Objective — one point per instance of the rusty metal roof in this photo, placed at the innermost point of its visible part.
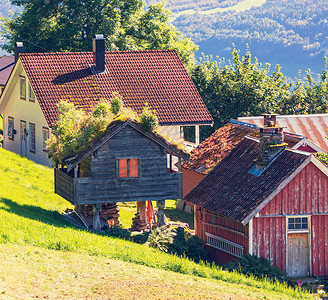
(314, 127)
(231, 191)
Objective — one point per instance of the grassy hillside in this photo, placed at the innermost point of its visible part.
(30, 215)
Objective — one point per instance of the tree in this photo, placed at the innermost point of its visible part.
(70, 25)
(240, 88)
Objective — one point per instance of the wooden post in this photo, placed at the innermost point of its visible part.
(180, 179)
(170, 163)
(197, 139)
(160, 213)
(76, 171)
(96, 217)
(141, 208)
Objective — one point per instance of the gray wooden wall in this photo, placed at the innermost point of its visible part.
(154, 183)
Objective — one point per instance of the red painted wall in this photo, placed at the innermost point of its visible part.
(307, 149)
(190, 180)
(306, 194)
(226, 228)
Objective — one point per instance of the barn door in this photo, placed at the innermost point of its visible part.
(298, 254)
(23, 136)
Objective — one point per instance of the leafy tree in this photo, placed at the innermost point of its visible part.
(239, 88)
(70, 25)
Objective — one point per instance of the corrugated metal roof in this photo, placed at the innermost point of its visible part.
(231, 191)
(314, 127)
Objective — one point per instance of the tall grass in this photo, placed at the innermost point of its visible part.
(30, 213)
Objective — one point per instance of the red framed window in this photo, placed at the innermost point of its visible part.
(32, 137)
(128, 168)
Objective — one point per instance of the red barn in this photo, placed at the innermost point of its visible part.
(211, 151)
(268, 200)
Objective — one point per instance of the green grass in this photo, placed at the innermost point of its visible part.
(30, 214)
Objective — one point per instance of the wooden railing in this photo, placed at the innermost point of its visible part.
(224, 245)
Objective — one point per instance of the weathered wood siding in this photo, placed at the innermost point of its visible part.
(226, 228)
(306, 195)
(154, 183)
(64, 186)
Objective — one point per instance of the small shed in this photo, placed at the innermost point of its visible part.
(127, 164)
(267, 200)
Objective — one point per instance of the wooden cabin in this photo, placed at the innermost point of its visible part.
(127, 164)
(268, 200)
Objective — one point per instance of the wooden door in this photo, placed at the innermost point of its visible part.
(298, 255)
(23, 138)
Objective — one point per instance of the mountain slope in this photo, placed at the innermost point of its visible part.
(292, 33)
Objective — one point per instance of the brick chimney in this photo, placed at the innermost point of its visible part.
(18, 49)
(271, 141)
(99, 53)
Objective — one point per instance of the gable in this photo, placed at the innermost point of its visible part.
(304, 194)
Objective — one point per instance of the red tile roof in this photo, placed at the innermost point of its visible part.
(314, 127)
(231, 191)
(211, 151)
(6, 65)
(157, 77)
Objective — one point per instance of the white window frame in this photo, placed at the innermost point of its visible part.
(224, 245)
(32, 138)
(298, 229)
(22, 87)
(31, 94)
(11, 129)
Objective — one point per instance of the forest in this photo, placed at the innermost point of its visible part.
(280, 31)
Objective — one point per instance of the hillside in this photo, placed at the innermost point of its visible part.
(292, 33)
(30, 218)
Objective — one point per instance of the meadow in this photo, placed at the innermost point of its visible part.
(31, 219)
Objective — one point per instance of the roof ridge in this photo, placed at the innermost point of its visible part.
(106, 52)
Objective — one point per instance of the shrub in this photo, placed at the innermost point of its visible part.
(161, 238)
(179, 241)
(117, 104)
(149, 121)
(259, 267)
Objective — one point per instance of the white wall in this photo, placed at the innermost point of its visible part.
(30, 112)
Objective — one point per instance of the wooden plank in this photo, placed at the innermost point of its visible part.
(298, 264)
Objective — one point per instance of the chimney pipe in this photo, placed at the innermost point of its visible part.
(99, 52)
(271, 141)
(18, 49)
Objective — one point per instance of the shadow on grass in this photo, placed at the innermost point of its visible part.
(34, 213)
(178, 216)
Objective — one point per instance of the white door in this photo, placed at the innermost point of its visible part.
(23, 136)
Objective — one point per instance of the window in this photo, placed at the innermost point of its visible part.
(128, 168)
(32, 137)
(45, 137)
(23, 88)
(11, 130)
(31, 94)
(299, 223)
(189, 133)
